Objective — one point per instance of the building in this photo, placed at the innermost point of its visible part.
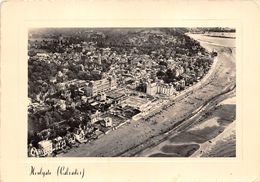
(101, 97)
(42, 55)
(151, 88)
(106, 122)
(61, 104)
(94, 117)
(179, 70)
(160, 88)
(53, 80)
(93, 88)
(76, 82)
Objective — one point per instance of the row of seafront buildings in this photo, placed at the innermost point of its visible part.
(94, 88)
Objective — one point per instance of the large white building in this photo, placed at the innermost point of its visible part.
(160, 88)
(94, 88)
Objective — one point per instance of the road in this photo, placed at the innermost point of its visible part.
(133, 138)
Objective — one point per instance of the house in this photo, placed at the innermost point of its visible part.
(94, 117)
(106, 122)
(53, 80)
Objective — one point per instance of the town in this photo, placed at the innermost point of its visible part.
(85, 83)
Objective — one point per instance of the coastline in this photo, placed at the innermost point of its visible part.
(155, 145)
(159, 145)
(135, 137)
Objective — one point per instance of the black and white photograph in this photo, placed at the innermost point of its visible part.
(129, 91)
(132, 92)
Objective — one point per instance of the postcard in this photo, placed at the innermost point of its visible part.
(129, 91)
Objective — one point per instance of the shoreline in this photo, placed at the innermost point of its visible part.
(200, 83)
(196, 120)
